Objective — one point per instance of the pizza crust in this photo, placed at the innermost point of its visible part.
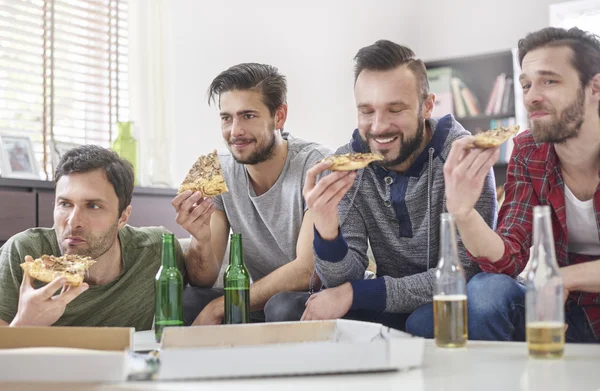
(205, 176)
(351, 161)
(47, 268)
(493, 138)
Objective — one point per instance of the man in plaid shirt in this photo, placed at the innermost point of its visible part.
(555, 163)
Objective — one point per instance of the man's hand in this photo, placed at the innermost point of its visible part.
(331, 303)
(39, 307)
(212, 314)
(324, 197)
(193, 214)
(464, 175)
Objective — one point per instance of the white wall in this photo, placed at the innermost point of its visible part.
(313, 44)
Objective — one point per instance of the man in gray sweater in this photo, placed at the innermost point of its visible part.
(394, 205)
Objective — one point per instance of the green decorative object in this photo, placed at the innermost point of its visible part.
(126, 146)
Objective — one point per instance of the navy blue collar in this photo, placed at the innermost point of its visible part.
(438, 139)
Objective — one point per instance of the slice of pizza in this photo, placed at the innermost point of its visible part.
(351, 161)
(493, 138)
(205, 176)
(48, 267)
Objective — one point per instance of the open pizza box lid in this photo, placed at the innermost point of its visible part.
(288, 348)
(64, 354)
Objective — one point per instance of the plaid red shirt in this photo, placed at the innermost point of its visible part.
(534, 178)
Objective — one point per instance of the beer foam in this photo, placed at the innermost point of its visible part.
(546, 324)
(450, 297)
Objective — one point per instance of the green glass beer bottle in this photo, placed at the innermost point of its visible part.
(169, 290)
(237, 285)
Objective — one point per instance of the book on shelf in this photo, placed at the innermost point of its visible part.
(452, 95)
(439, 83)
(501, 100)
(465, 102)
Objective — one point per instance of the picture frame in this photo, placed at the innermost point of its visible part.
(58, 149)
(17, 157)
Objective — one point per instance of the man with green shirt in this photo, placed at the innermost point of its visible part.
(94, 188)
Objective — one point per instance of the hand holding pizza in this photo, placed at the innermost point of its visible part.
(464, 175)
(193, 214)
(41, 307)
(324, 197)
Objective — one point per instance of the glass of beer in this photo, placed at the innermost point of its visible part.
(450, 293)
(544, 300)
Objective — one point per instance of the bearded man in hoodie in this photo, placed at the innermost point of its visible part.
(394, 204)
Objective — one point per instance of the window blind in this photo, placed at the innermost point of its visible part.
(63, 72)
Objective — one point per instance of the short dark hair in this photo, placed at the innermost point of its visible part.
(85, 158)
(252, 76)
(585, 47)
(386, 55)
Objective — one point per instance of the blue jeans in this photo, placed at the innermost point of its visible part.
(496, 312)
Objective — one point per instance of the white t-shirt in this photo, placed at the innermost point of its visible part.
(581, 225)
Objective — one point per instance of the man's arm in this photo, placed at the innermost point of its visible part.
(293, 276)
(582, 277)
(340, 235)
(3, 323)
(505, 250)
(11, 275)
(203, 260)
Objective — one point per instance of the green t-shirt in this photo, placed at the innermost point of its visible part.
(128, 301)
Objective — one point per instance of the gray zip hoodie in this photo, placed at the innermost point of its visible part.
(400, 216)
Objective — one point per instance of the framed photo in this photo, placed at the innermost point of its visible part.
(18, 159)
(58, 149)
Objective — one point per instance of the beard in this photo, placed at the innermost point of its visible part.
(96, 245)
(562, 128)
(263, 151)
(407, 147)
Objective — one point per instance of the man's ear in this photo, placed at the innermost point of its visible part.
(281, 116)
(595, 84)
(124, 217)
(428, 105)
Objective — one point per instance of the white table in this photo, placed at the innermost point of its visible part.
(480, 366)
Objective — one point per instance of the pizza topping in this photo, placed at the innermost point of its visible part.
(351, 161)
(493, 138)
(205, 176)
(68, 263)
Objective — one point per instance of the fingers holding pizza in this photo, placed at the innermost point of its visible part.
(193, 203)
(193, 213)
(43, 307)
(469, 162)
(323, 197)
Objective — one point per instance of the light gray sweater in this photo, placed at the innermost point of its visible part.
(400, 216)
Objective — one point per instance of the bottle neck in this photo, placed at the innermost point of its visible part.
(168, 251)
(448, 243)
(124, 130)
(543, 239)
(236, 257)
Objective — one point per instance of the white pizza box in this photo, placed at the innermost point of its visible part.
(64, 354)
(287, 348)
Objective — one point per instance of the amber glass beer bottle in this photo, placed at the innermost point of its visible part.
(544, 300)
(168, 290)
(450, 292)
(236, 282)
